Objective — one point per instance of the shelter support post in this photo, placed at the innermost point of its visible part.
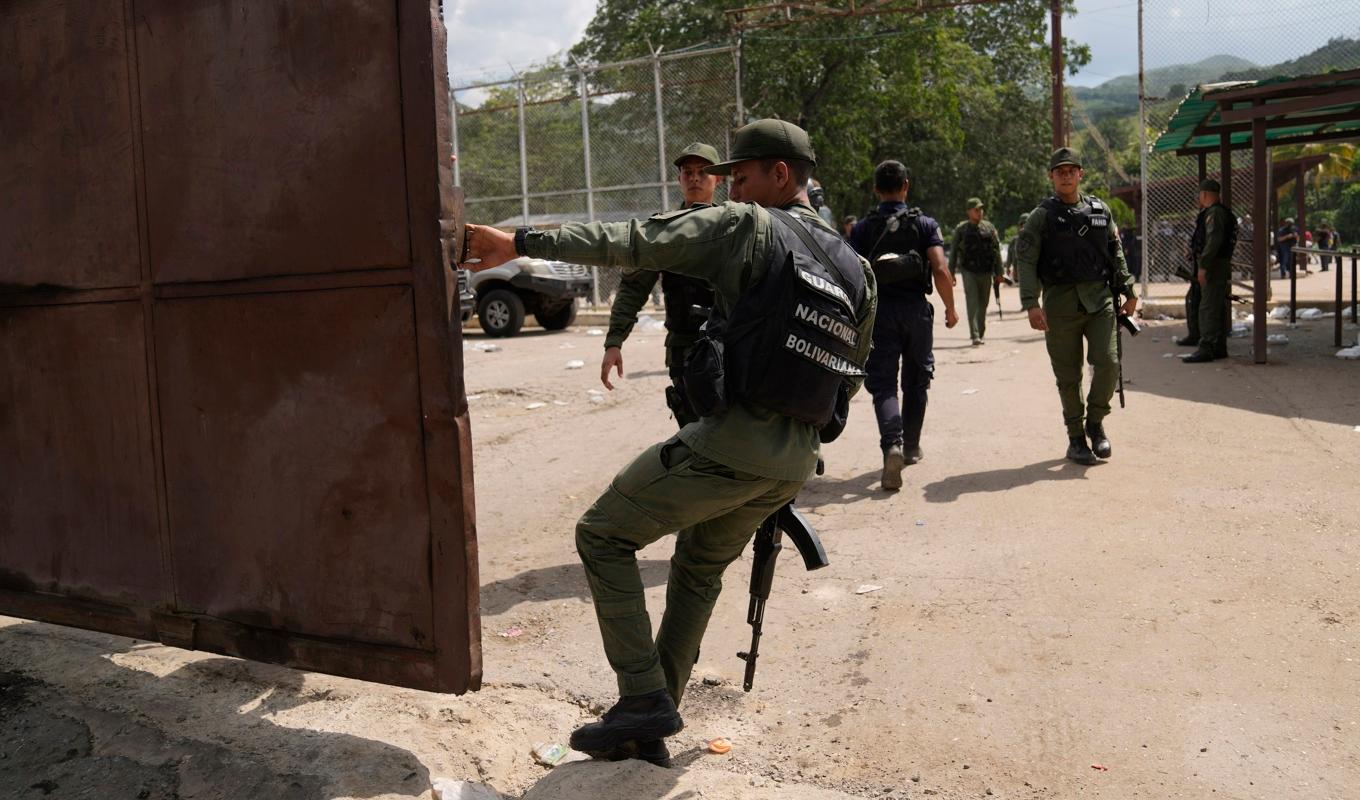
(1203, 167)
(1225, 167)
(1340, 286)
(1260, 240)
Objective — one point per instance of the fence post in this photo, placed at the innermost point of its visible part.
(457, 172)
(1142, 163)
(590, 177)
(661, 134)
(523, 157)
(736, 56)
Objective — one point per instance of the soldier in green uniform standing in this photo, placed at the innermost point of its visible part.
(681, 293)
(1212, 245)
(795, 309)
(1010, 249)
(976, 252)
(1069, 253)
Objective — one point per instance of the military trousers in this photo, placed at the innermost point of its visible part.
(715, 510)
(904, 336)
(1067, 333)
(1213, 316)
(1193, 297)
(977, 293)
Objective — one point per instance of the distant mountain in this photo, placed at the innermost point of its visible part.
(1160, 80)
(1339, 53)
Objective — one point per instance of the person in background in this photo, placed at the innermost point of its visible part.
(1286, 239)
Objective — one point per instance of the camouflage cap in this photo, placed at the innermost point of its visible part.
(1210, 185)
(767, 138)
(1064, 155)
(974, 202)
(707, 152)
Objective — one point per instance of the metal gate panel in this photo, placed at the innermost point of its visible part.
(65, 127)
(273, 138)
(232, 414)
(292, 453)
(80, 515)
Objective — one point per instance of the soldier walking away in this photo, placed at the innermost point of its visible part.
(1212, 245)
(1069, 253)
(794, 311)
(976, 253)
(1328, 239)
(687, 300)
(1286, 239)
(905, 250)
(1010, 249)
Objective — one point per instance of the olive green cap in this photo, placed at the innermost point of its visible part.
(1024, 218)
(1064, 155)
(767, 138)
(707, 152)
(974, 202)
(1210, 185)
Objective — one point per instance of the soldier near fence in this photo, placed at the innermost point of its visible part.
(975, 256)
(1069, 255)
(687, 299)
(793, 309)
(1212, 245)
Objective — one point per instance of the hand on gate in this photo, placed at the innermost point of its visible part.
(613, 359)
(1037, 319)
(951, 317)
(490, 246)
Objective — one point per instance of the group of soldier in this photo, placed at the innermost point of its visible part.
(774, 321)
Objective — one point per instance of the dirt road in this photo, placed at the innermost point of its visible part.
(1178, 622)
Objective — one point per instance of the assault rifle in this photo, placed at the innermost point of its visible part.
(768, 543)
(1122, 323)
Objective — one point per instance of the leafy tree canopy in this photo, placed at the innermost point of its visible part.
(960, 96)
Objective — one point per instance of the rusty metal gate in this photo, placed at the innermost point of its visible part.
(231, 400)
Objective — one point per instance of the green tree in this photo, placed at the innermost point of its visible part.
(1348, 214)
(960, 96)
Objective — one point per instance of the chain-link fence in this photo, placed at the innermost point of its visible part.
(590, 142)
(1184, 48)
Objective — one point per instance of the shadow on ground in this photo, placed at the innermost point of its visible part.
(560, 582)
(1000, 480)
(1302, 379)
(206, 733)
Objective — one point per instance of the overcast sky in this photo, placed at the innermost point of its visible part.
(487, 37)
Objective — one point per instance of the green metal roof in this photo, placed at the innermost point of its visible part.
(1200, 109)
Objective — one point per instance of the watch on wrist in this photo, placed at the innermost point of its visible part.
(520, 233)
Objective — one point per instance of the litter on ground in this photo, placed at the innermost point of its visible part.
(865, 588)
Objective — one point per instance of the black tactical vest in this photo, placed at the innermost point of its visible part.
(1229, 239)
(681, 294)
(792, 339)
(897, 233)
(1075, 247)
(976, 249)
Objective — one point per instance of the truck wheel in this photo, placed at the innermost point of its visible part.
(500, 312)
(557, 318)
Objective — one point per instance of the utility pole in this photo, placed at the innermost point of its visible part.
(1056, 68)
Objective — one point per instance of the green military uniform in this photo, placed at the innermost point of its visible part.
(1214, 259)
(975, 256)
(719, 477)
(1075, 311)
(1010, 248)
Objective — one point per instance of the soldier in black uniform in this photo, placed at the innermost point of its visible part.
(905, 251)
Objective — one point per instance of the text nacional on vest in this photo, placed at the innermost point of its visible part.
(829, 323)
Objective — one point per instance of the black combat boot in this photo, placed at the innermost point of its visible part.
(653, 751)
(1100, 443)
(642, 717)
(914, 455)
(893, 462)
(1186, 341)
(1078, 451)
(1198, 357)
